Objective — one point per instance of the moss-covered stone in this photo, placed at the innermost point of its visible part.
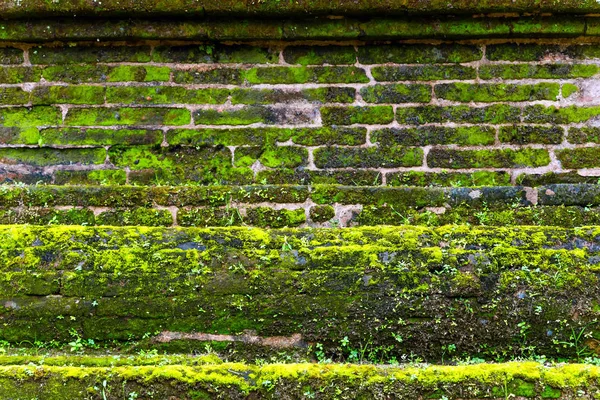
(313, 95)
(584, 135)
(215, 54)
(10, 55)
(353, 177)
(422, 73)
(559, 115)
(486, 93)
(98, 136)
(68, 95)
(418, 54)
(288, 75)
(397, 93)
(537, 71)
(522, 134)
(276, 115)
(357, 115)
(103, 73)
(368, 157)
(268, 217)
(30, 117)
(446, 158)
(20, 74)
(454, 179)
(316, 55)
(494, 114)
(586, 157)
(88, 54)
(227, 76)
(164, 95)
(537, 52)
(139, 216)
(321, 213)
(428, 135)
(13, 96)
(127, 116)
(95, 177)
(47, 156)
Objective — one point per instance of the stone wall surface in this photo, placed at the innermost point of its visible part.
(384, 182)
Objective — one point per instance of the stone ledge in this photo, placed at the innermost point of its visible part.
(320, 381)
(277, 8)
(300, 29)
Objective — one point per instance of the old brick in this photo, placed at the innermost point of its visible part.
(587, 157)
(422, 73)
(465, 92)
(495, 114)
(369, 157)
(46, 156)
(418, 54)
(99, 137)
(397, 93)
(228, 76)
(209, 54)
(165, 95)
(522, 134)
(88, 54)
(493, 158)
(254, 114)
(127, 116)
(427, 135)
(287, 75)
(316, 55)
(68, 95)
(357, 115)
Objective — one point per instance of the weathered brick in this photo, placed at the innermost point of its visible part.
(138, 216)
(272, 157)
(357, 115)
(494, 114)
(20, 74)
(427, 135)
(287, 75)
(211, 54)
(422, 72)
(47, 216)
(270, 96)
(227, 76)
(95, 177)
(537, 71)
(454, 179)
(397, 93)
(96, 136)
(316, 55)
(554, 177)
(211, 136)
(418, 54)
(68, 95)
(355, 177)
(104, 73)
(325, 136)
(586, 157)
(137, 73)
(46, 156)
(539, 52)
(32, 116)
(10, 55)
(209, 217)
(584, 135)
(368, 157)
(322, 213)
(465, 92)
(13, 95)
(88, 54)
(522, 134)
(559, 115)
(164, 95)
(450, 158)
(127, 116)
(254, 114)
(205, 165)
(9, 175)
(15, 135)
(267, 217)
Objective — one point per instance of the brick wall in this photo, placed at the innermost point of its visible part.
(384, 115)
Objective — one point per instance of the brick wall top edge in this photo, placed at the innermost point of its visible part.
(323, 28)
(43, 8)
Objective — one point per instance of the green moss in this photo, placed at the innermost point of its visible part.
(361, 157)
(586, 157)
(568, 89)
(316, 55)
(434, 135)
(322, 213)
(494, 114)
(520, 134)
(556, 115)
(422, 73)
(127, 73)
(30, 117)
(275, 75)
(397, 93)
(441, 158)
(47, 156)
(127, 116)
(418, 54)
(165, 95)
(268, 217)
(466, 92)
(97, 136)
(357, 115)
(543, 71)
(68, 95)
